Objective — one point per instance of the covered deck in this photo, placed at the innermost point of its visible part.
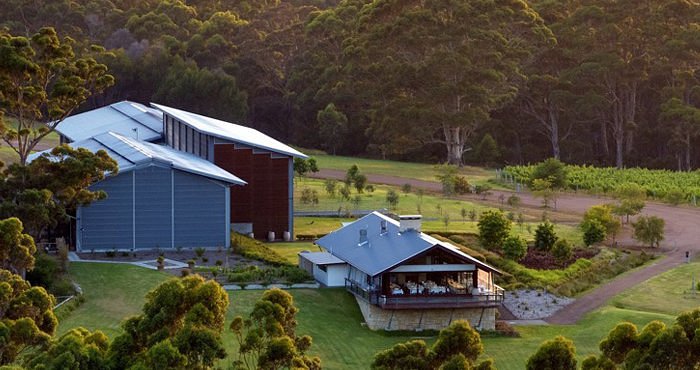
(437, 279)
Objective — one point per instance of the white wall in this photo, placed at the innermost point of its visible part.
(334, 276)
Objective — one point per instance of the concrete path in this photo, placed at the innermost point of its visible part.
(149, 264)
(682, 234)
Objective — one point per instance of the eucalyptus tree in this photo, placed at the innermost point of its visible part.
(440, 67)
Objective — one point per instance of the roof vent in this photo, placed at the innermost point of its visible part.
(382, 225)
(363, 236)
(410, 223)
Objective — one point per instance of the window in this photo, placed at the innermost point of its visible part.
(322, 268)
(195, 148)
(204, 146)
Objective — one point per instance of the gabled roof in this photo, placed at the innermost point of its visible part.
(125, 118)
(230, 131)
(383, 251)
(130, 154)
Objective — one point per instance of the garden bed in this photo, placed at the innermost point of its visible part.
(541, 260)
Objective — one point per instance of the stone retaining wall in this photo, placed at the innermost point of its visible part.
(425, 319)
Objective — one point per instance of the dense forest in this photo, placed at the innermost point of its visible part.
(607, 82)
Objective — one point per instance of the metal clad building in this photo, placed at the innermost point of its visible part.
(266, 203)
(161, 198)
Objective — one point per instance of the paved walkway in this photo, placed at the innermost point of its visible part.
(682, 234)
(149, 264)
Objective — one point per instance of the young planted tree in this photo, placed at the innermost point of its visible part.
(42, 82)
(649, 229)
(545, 237)
(603, 214)
(268, 340)
(494, 228)
(593, 232)
(515, 248)
(392, 198)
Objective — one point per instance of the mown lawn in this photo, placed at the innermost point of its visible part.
(668, 293)
(421, 171)
(113, 292)
(330, 316)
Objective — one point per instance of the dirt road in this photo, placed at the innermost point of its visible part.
(682, 234)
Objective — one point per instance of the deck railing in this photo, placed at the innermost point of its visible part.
(485, 299)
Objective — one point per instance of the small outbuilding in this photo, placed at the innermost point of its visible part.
(326, 268)
(161, 198)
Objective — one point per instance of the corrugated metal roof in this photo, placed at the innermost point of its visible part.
(230, 131)
(321, 258)
(125, 118)
(130, 153)
(382, 251)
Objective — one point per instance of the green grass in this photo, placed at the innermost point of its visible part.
(512, 353)
(290, 250)
(433, 208)
(420, 171)
(112, 292)
(330, 316)
(668, 293)
(7, 155)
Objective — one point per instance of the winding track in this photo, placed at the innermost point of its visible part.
(682, 234)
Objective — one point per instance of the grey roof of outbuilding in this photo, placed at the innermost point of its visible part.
(321, 258)
(125, 118)
(382, 251)
(230, 131)
(130, 154)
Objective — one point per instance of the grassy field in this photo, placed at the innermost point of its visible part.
(421, 171)
(330, 316)
(7, 155)
(668, 293)
(289, 250)
(435, 210)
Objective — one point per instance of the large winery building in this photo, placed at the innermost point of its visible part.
(185, 180)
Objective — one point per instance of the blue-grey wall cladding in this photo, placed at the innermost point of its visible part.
(200, 211)
(199, 216)
(153, 202)
(106, 224)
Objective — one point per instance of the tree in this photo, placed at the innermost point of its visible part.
(628, 207)
(360, 182)
(458, 346)
(392, 197)
(268, 340)
(656, 346)
(77, 349)
(26, 316)
(649, 229)
(562, 250)
(446, 174)
(603, 214)
(330, 186)
(45, 191)
(332, 126)
(544, 189)
(16, 248)
(551, 170)
(183, 318)
(593, 232)
(494, 228)
(43, 82)
(556, 354)
(545, 237)
(487, 151)
(471, 52)
(515, 248)
(303, 166)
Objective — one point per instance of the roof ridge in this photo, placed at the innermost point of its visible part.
(132, 118)
(128, 141)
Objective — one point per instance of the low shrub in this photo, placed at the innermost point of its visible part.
(253, 249)
(282, 274)
(111, 254)
(199, 251)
